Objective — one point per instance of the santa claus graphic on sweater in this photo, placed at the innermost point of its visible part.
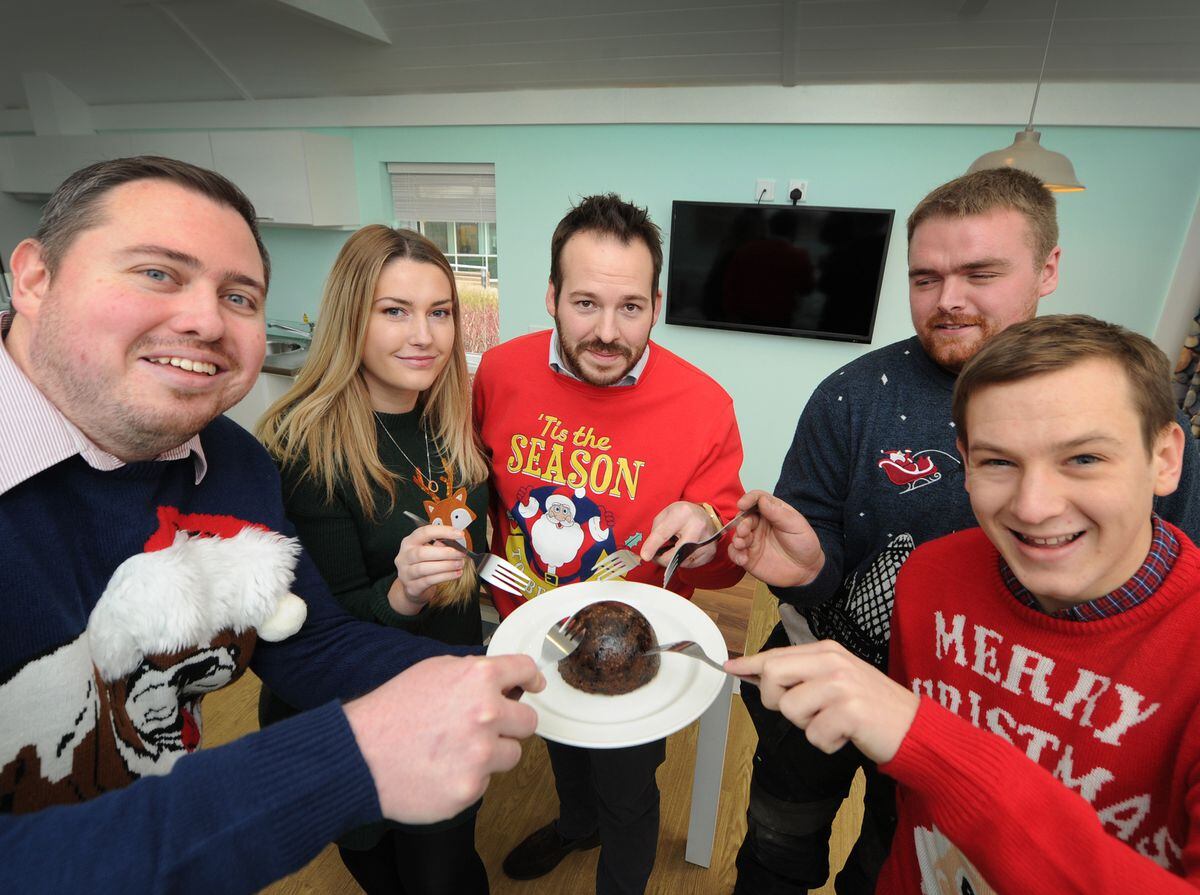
(565, 530)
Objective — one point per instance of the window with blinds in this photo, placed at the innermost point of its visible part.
(454, 206)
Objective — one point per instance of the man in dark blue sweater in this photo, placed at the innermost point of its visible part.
(874, 471)
(147, 561)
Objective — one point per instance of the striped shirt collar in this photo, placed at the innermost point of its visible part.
(1164, 550)
(35, 435)
(630, 378)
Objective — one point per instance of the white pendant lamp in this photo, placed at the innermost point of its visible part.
(1027, 153)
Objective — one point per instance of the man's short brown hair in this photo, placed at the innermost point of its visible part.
(991, 190)
(606, 215)
(1055, 342)
(76, 204)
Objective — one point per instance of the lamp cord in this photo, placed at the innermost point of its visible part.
(1038, 88)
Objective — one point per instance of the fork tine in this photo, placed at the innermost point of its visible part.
(495, 563)
(610, 573)
(603, 571)
(513, 574)
(523, 583)
(615, 564)
(507, 581)
(671, 567)
(502, 578)
(503, 585)
(613, 561)
(605, 565)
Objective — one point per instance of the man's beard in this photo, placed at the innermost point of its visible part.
(572, 353)
(953, 354)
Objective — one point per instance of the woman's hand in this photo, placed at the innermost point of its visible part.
(421, 563)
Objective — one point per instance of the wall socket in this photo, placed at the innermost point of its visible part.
(802, 186)
(764, 190)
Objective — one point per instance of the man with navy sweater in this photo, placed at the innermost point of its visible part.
(147, 561)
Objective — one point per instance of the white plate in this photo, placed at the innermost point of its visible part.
(678, 694)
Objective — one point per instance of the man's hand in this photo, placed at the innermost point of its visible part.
(834, 696)
(686, 522)
(776, 545)
(421, 562)
(433, 735)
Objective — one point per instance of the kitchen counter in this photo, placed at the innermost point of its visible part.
(288, 364)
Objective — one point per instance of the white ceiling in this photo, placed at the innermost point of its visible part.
(112, 52)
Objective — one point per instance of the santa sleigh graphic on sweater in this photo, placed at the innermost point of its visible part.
(559, 534)
(912, 471)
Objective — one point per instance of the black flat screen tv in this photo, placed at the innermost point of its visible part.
(793, 270)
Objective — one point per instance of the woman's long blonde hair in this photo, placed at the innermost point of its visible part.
(325, 421)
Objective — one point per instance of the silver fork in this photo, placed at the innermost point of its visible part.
(693, 649)
(686, 550)
(614, 565)
(492, 569)
(560, 641)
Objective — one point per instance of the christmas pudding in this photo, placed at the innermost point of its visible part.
(609, 658)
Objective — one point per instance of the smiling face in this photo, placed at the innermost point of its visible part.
(1061, 480)
(606, 307)
(970, 278)
(153, 323)
(410, 334)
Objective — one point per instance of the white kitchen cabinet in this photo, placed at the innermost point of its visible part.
(37, 165)
(292, 177)
(193, 147)
(268, 388)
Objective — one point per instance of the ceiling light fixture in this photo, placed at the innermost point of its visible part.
(1027, 153)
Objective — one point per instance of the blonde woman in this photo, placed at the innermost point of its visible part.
(379, 422)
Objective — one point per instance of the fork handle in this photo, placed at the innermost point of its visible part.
(457, 545)
(703, 657)
(671, 541)
(449, 542)
(724, 528)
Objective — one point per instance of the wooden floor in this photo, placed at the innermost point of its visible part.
(523, 799)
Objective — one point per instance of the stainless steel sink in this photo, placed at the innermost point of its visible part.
(283, 346)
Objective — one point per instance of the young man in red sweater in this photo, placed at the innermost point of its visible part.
(1039, 720)
(601, 440)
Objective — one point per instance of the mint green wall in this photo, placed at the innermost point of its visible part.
(1121, 239)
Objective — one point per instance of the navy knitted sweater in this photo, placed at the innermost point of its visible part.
(124, 598)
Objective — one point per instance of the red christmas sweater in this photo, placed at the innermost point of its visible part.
(1046, 755)
(580, 471)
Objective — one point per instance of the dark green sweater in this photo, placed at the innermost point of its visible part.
(356, 554)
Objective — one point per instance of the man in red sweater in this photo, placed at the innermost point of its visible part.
(1039, 720)
(601, 440)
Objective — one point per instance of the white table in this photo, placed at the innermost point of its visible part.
(706, 780)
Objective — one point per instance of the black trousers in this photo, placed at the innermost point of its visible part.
(410, 862)
(795, 793)
(613, 791)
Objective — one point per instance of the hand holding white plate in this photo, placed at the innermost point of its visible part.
(678, 694)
